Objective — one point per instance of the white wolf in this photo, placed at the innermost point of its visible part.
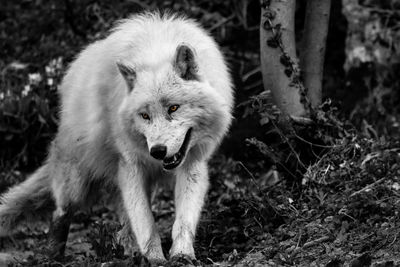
(150, 102)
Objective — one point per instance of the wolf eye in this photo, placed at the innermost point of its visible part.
(173, 108)
(145, 116)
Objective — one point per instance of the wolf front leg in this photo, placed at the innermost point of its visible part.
(135, 196)
(190, 189)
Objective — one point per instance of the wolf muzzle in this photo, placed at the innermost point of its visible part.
(160, 151)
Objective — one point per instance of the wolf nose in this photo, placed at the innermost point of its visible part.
(158, 151)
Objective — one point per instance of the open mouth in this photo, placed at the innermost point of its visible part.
(176, 159)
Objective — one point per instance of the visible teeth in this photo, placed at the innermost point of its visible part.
(173, 160)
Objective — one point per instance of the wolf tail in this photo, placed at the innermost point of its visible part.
(26, 201)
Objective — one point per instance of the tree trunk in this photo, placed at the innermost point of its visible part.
(279, 63)
(312, 54)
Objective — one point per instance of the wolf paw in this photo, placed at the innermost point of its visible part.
(156, 261)
(183, 260)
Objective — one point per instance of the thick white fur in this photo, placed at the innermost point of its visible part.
(102, 136)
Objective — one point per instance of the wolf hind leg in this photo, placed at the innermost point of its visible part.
(70, 189)
(58, 233)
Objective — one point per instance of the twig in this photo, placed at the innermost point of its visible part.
(389, 12)
(369, 157)
(311, 244)
(343, 211)
(213, 262)
(251, 73)
(298, 241)
(313, 144)
(316, 241)
(253, 179)
(301, 120)
(221, 22)
(368, 187)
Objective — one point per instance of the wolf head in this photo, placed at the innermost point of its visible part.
(171, 111)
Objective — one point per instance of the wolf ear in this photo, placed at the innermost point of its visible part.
(186, 62)
(128, 73)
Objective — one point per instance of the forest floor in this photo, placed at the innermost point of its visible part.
(345, 214)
